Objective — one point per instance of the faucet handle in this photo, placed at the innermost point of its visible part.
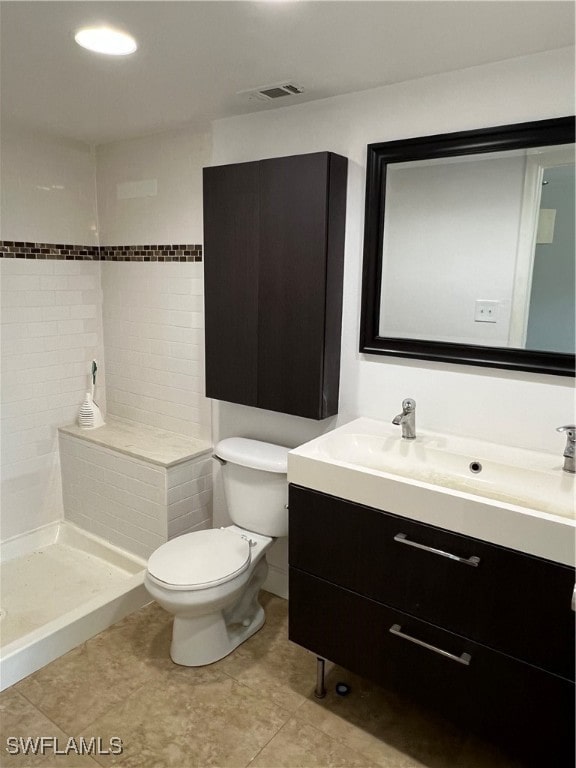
(570, 430)
(410, 405)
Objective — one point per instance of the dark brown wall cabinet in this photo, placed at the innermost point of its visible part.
(274, 255)
(490, 646)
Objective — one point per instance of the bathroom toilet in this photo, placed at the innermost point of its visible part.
(210, 579)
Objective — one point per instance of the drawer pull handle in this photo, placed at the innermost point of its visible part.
(402, 539)
(464, 658)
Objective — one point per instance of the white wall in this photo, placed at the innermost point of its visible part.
(487, 403)
(48, 189)
(517, 408)
(150, 189)
(451, 238)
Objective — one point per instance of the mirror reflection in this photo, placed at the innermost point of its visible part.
(479, 249)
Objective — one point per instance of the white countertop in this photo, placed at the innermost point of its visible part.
(537, 532)
(141, 441)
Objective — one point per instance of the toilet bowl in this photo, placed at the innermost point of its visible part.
(210, 579)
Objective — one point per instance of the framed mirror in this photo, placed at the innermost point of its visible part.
(469, 248)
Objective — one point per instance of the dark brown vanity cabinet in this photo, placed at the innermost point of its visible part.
(273, 266)
(486, 636)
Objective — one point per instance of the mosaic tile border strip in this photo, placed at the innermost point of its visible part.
(150, 252)
(21, 250)
(11, 249)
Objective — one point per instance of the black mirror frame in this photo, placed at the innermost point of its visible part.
(499, 138)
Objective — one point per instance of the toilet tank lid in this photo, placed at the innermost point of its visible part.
(254, 454)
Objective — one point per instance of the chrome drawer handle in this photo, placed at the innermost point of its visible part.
(402, 539)
(464, 658)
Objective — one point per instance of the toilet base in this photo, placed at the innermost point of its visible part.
(200, 640)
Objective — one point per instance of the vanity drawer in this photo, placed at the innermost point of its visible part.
(510, 601)
(511, 702)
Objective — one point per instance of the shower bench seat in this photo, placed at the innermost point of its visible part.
(134, 485)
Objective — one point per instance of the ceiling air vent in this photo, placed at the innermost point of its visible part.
(273, 92)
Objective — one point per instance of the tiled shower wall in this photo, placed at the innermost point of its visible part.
(51, 329)
(51, 320)
(154, 340)
(52, 309)
(150, 191)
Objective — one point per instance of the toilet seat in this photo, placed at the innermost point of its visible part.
(200, 560)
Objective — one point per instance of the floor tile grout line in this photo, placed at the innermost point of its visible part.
(50, 720)
(116, 703)
(268, 742)
(321, 733)
(85, 727)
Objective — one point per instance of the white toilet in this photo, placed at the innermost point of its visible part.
(210, 579)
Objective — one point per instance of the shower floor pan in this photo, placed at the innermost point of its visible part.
(59, 586)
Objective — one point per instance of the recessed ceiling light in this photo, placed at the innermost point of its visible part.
(106, 40)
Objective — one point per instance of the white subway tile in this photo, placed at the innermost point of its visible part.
(70, 384)
(26, 267)
(91, 325)
(74, 355)
(13, 332)
(24, 407)
(70, 326)
(84, 311)
(20, 283)
(65, 400)
(197, 287)
(52, 283)
(67, 298)
(14, 299)
(185, 524)
(56, 313)
(40, 298)
(68, 267)
(44, 329)
(21, 314)
(82, 282)
(182, 319)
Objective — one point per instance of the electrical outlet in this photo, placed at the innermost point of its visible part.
(486, 311)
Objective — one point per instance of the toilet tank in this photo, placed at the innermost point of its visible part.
(255, 484)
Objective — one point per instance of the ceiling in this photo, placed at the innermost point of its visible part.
(194, 57)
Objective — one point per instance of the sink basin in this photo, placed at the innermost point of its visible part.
(509, 496)
(538, 483)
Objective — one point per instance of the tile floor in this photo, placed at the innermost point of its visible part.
(255, 708)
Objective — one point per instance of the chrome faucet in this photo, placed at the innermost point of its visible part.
(570, 449)
(407, 419)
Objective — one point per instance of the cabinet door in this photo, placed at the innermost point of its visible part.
(510, 601)
(300, 283)
(231, 233)
(274, 257)
(501, 698)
